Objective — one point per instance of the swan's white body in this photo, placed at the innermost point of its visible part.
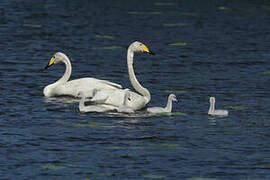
(124, 108)
(115, 97)
(93, 108)
(167, 109)
(71, 88)
(214, 112)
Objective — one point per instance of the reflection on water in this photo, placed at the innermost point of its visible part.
(217, 48)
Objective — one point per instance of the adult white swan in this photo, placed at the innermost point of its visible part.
(116, 97)
(214, 112)
(71, 88)
(167, 109)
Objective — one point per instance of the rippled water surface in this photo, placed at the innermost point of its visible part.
(203, 48)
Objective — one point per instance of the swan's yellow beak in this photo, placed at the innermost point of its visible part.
(146, 50)
(51, 62)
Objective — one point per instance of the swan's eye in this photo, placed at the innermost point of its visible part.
(129, 99)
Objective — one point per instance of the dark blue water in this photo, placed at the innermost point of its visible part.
(222, 50)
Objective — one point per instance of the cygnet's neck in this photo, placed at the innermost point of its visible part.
(81, 103)
(212, 107)
(137, 86)
(125, 99)
(169, 104)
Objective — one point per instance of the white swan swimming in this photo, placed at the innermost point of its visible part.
(71, 88)
(93, 108)
(214, 112)
(167, 109)
(116, 97)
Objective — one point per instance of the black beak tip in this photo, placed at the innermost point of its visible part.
(152, 53)
(47, 67)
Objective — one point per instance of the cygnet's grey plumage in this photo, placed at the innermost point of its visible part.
(214, 112)
(93, 108)
(167, 109)
(124, 108)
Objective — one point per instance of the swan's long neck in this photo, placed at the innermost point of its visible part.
(67, 73)
(212, 107)
(137, 86)
(169, 105)
(62, 80)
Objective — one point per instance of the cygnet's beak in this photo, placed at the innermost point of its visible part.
(146, 50)
(175, 99)
(51, 62)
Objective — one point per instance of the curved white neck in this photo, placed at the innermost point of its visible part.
(48, 89)
(66, 75)
(137, 86)
(169, 105)
(212, 107)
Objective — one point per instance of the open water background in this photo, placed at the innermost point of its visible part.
(223, 50)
